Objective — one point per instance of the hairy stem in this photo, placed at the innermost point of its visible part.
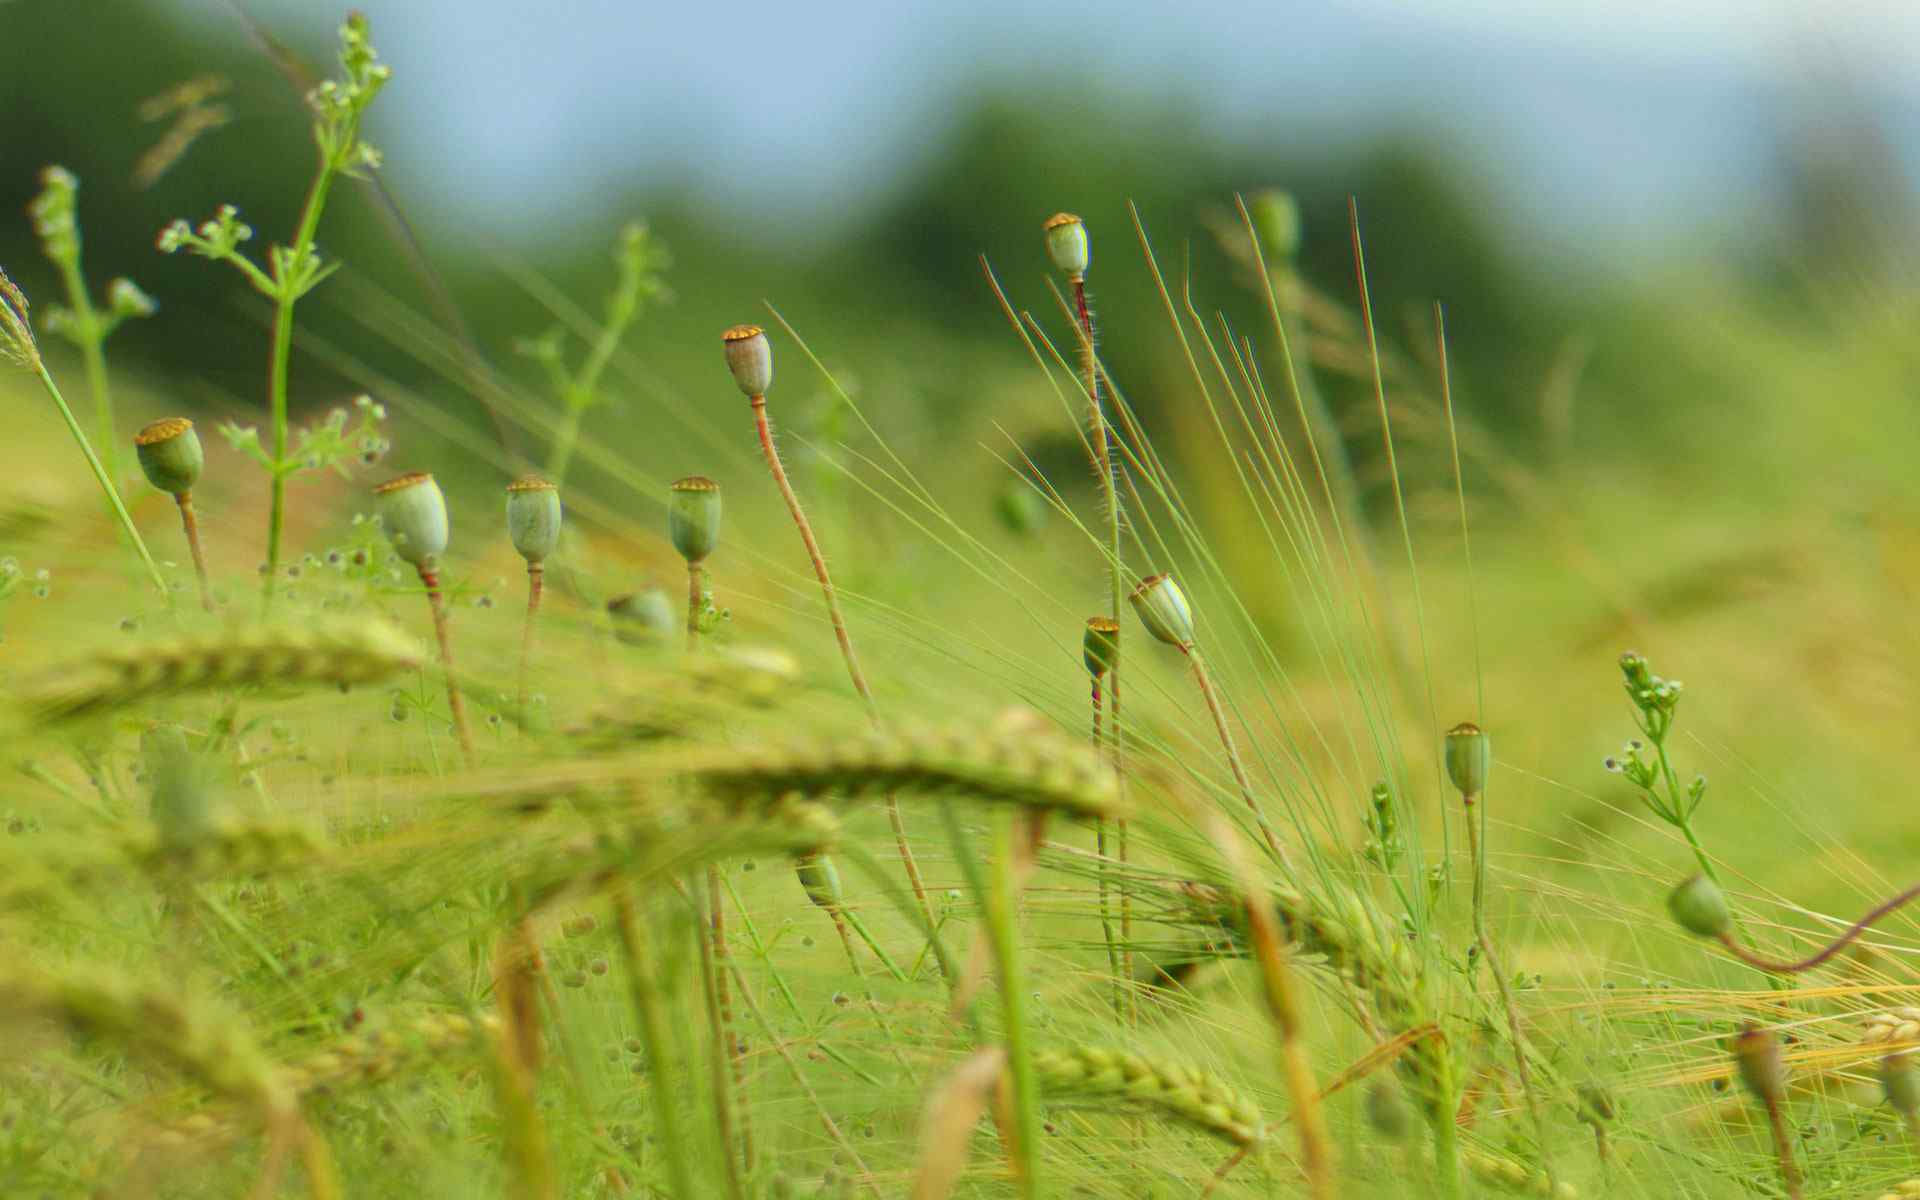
(1783, 1149)
(1003, 929)
(191, 525)
(723, 992)
(455, 704)
(859, 678)
(696, 573)
(713, 986)
(1121, 980)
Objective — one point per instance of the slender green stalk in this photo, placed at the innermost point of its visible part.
(1476, 847)
(651, 1015)
(1122, 980)
(1003, 930)
(90, 334)
(709, 934)
(1204, 680)
(100, 476)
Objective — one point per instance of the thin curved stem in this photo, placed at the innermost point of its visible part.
(100, 476)
(859, 678)
(1205, 681)
(1832, 948)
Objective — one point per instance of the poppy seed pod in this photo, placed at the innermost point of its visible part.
(641, 618)
(1900, 1080)
(1756, 1052)
(1067, 243)
(170, 454)
(1700, 908)
(749, 357)
(415, 515)
(1100, 646)
(1469, 755)
(1163, 609)
(820, 879)
(693, 517)
(533, 517)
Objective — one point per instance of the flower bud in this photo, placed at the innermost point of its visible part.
(1067, 243)
(1469, 755)
(533, 517)
(820, 879)
(749, 357)
(1162, 608)
(1763, 1070)
(693, 517)
(1900, 1080)
(1100, 645)
(643, 618)
(1700, 908)
(170, 454)
(415, 515)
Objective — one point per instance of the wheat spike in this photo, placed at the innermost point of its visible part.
(324, 653)
(1180, 1093)
(1512, 1176)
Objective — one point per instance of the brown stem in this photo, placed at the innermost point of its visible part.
(772, 453)
(1205, 681)
(458, 706)
(191, 524)
(1832, 948)
(536, 580)
(1783, 1149)
(695, 571)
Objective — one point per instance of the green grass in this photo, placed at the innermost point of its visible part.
(268, 934)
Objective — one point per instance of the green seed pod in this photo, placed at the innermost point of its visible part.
(643, 618)
(1700, 908)
(1276, 218)
(1100, 645)
(1594, 1104)
(1763, 1070)
(1163, 609)
(749, 357)
(533, 517)
(820, 879)
(415, 515)
(1900, 1080)
(170, 454)
(1387, 1111)
(1469, 755)
(1067, 244)
(693, 517)
(179, 804)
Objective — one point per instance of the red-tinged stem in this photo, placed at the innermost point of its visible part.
(1832, 948)
(695, 571)
(536, 584)
(456, 705)
(854, 672)
(191, 524)
(1783, 1149)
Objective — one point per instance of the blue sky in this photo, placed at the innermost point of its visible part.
(1624, 123)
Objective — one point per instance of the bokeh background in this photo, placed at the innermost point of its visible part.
(1675, 244)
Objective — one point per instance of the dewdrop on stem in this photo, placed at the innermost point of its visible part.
(1066, 237)
(1469, 756)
